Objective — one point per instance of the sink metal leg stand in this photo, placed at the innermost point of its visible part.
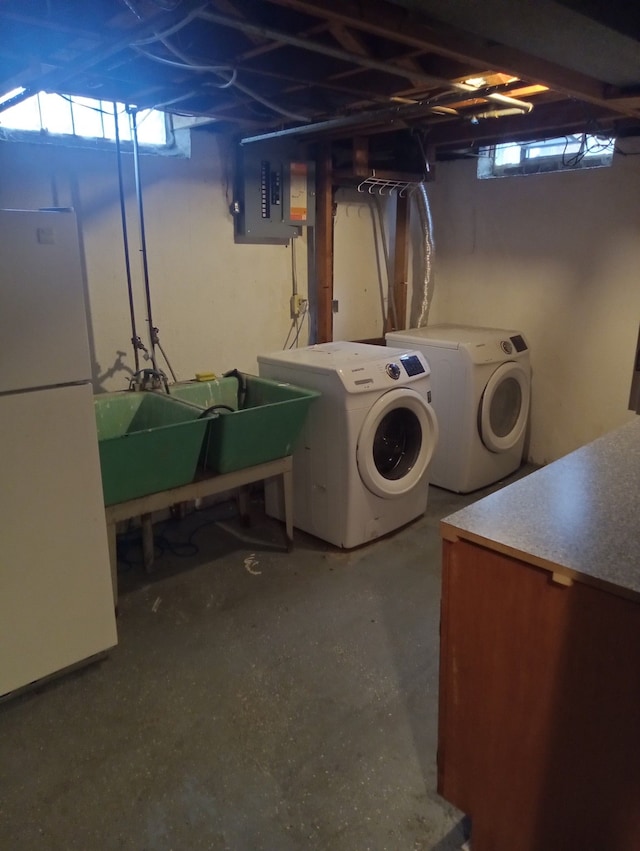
(203, 486)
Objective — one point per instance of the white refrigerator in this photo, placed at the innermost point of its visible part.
(56, 601)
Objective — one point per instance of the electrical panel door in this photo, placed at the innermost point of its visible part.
(275, 193)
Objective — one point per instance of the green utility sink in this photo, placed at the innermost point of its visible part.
(263, 424)
(148, 442)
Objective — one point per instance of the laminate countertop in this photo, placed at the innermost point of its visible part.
(578, 517)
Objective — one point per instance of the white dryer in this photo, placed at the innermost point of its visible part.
(360, 468)
(481, 381)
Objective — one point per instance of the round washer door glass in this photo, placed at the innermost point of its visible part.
(396, 443)
(504, 408)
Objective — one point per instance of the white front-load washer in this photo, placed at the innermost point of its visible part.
(360, 467)
(481, 380)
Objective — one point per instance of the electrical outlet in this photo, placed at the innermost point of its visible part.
(296, 304)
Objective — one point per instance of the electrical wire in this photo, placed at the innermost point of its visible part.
(590, 144)
(163, 544)
(271, 105)
(294, 270)
(297, 324)
(300, 319)
(189, 63)
(186, 66)
(622, 153)
(220, 70)
(170, 30)
(145, 112)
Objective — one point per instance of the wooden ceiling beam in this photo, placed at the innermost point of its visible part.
(379, 18)
(270, 46)
(348, 39)
(545, 121)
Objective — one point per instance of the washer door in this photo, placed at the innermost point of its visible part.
(396, 442)
(504, 408)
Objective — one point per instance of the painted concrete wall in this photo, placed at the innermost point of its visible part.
(556, 256)
(363, 249)
(217, 304)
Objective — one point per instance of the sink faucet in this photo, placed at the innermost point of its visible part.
(149, 379)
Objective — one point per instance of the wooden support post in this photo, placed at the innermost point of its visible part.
(361, 156)
(397, 314)
(324, 247)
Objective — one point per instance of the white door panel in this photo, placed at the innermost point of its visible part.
(56, 603)
(417, 415)
(43, 324)
(504, 407)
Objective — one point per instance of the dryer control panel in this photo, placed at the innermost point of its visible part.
(412, 364)
(515, 343)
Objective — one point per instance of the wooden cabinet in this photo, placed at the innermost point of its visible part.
(539, 726)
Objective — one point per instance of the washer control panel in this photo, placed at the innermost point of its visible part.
(366, 375)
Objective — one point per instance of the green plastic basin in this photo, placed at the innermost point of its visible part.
(263, 425)
(148, 442)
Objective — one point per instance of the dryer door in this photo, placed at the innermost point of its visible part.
(396, 442)
(504, 407)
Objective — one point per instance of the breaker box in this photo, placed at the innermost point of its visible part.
(274, 193)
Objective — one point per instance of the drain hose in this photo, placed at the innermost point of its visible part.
(242, 385)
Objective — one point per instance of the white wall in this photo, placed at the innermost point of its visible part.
(556, 256)
(363, 226)
(217, 304)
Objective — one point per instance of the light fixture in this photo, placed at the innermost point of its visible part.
(476, 82)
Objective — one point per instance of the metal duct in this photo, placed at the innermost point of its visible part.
(428, 247)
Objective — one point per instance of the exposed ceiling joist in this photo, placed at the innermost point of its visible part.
(324, 68)
(378, 19)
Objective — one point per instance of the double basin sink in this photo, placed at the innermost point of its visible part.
(151, 441)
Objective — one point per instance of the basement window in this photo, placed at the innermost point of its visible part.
(86, 122)
(564, 153)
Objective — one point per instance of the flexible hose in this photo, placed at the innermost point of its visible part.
(242, 385)
(215, 409)
(426, 225)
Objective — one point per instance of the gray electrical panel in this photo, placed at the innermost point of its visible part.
(275, 193)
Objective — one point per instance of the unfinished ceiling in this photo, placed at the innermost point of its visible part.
(455, 72)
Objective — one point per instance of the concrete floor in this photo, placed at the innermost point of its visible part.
(256, 700)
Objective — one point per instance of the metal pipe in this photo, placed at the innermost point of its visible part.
(372, 116)
(512, 103)
(386, 115)
(153, 331)
(426, 224)
(135, 340)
